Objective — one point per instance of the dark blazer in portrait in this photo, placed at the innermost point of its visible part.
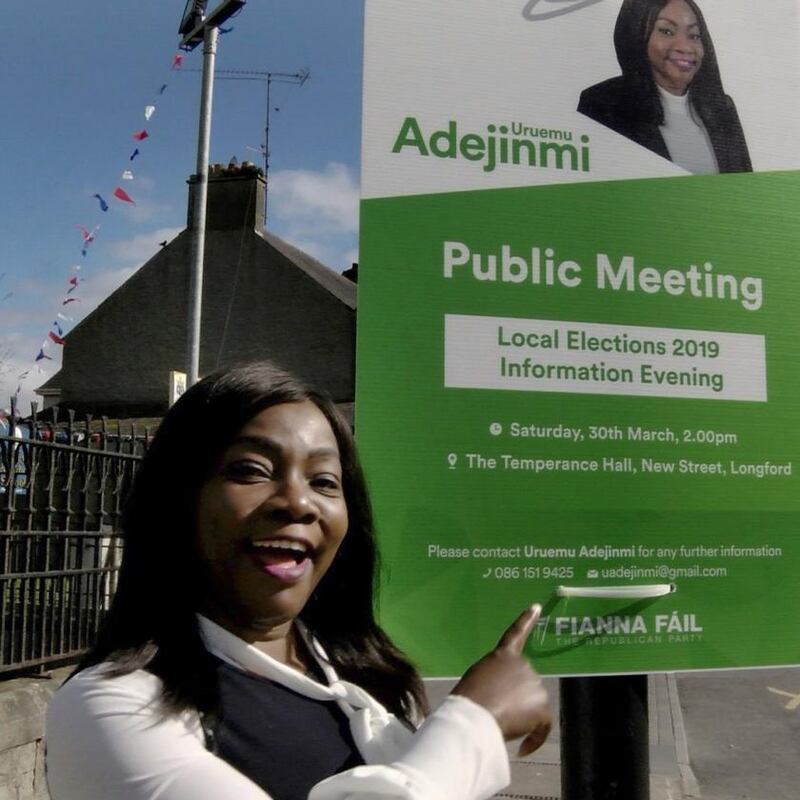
(616, 104)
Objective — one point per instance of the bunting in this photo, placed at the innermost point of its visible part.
(56, 335)
(121, 194)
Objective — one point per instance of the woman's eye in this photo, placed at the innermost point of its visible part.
(246, 471)
(327, 483)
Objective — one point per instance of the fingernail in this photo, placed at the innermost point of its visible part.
(536, 608)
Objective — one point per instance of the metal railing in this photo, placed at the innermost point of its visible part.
(61, 490)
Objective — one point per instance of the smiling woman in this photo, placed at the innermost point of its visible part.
(669, 97)
(270, 521)
(241, 659)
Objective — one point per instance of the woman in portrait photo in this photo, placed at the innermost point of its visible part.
(241, 658)
(669, 97)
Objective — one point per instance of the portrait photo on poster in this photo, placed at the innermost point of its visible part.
(608, 90)
(670, 96)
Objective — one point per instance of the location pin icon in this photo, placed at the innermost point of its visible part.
(451, 460)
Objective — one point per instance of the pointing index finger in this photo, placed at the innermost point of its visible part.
(516, 636)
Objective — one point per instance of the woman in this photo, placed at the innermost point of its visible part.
(669, 97)
(240, 658)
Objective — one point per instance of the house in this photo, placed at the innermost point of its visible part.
(262, 298)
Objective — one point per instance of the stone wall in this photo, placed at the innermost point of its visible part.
(23, 703)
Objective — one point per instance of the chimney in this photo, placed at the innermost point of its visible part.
(235, 197)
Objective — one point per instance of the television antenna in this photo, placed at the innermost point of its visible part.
(267, 77)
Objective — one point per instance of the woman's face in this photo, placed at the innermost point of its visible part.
(270, 520)
(675, 47)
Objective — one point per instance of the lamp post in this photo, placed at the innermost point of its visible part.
(198, 27)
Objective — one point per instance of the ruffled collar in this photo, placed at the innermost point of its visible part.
(375, 731)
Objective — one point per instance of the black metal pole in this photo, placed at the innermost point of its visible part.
(605, 748)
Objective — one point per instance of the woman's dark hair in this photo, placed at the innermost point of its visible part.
(152, 624)
(635, 24)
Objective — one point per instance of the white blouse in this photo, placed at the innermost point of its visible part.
(106, 738)
(685, 135)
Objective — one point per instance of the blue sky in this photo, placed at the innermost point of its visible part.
(76, 79)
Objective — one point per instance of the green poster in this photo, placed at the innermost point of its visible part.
(577, 346)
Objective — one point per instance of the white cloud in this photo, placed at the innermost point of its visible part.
(328, 198)
(19, 346)
(140, 248)
(314, 249)
(317, 212)
(351, 257)
(97, 288)
(16, 357)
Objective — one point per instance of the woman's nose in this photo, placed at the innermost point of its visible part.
(292, 499)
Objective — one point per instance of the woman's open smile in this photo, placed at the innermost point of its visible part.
(271, 518)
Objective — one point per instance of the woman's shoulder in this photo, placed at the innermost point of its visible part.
(104, 678)
(99, 693)
(607, 102)
(611, 88)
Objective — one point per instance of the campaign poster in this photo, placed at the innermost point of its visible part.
(579, 314)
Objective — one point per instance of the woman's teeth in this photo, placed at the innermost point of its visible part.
(281, 544)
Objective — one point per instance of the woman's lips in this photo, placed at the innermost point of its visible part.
(281, 565)
(683, 64)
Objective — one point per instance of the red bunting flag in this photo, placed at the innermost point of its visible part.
(141, 135)
(54, 337)
(177, 60)
(121, 194)
(88, 236)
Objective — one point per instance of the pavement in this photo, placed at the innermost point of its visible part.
(714, 735)
(743, 732)
(538, 777)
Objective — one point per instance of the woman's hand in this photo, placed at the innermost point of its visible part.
(504, 683)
